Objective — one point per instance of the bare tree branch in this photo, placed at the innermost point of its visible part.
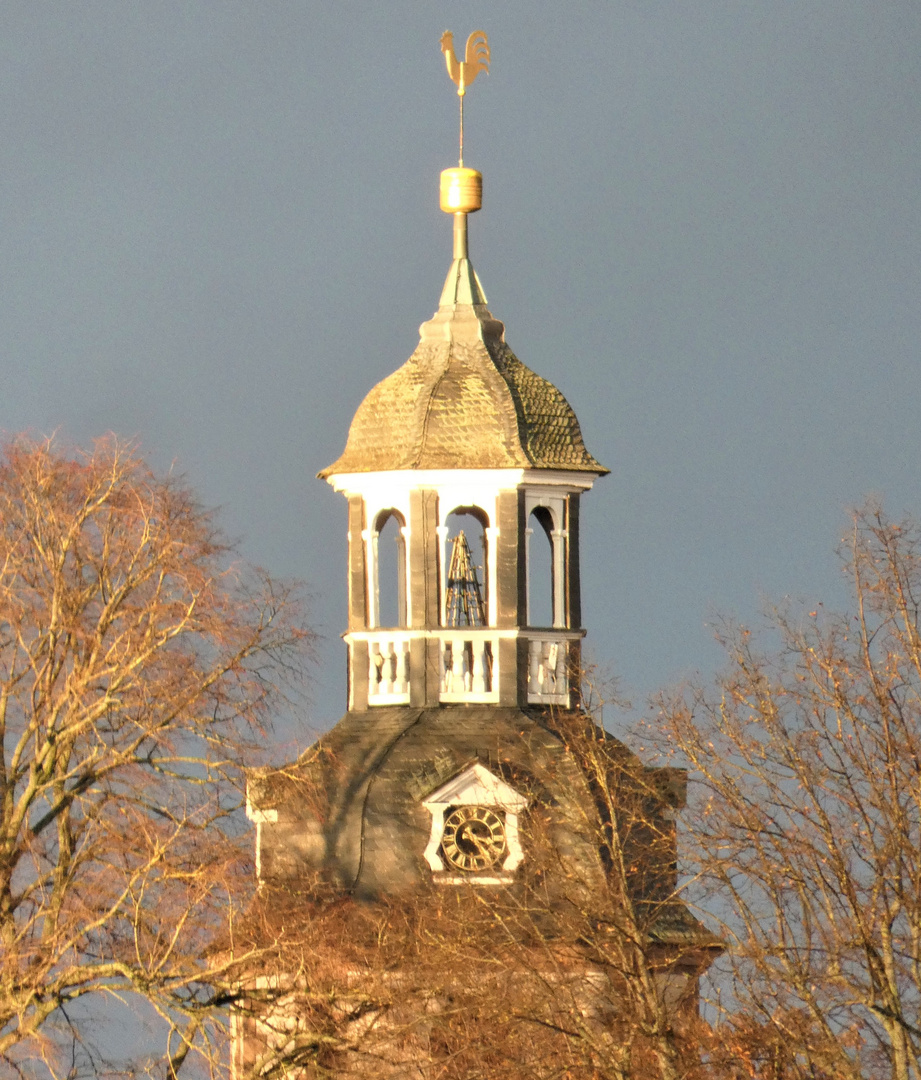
(137, 663)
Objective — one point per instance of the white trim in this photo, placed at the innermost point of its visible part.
(453, 489)
(549, 655)
(548, 670)
(469, 632)
(549, 499)
(528, 533)
(403, 579)
(370, 561)
(441, 531)
(388, 667)
(371, 538)
(558, 540)
(374, 585)
(400, 482)
(444, 878)
(492, 577)
(476, 785)
(261, 817)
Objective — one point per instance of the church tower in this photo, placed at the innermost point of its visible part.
(462, 751)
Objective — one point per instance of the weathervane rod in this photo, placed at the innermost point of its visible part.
(461, 188)
(463, 72)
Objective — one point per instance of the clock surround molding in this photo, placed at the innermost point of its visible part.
(475, 786)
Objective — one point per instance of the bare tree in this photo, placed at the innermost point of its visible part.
(136, 663)
(808, 824)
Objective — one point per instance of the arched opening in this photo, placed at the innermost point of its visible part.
(541, 582)
(465, 562)
(390, 570)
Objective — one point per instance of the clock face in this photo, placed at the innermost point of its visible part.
(473, 838)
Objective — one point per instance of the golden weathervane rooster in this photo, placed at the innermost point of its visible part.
(476, 59)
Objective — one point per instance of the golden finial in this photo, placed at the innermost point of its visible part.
(462, 189)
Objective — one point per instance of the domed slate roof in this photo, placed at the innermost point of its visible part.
(352, 808)
(350, 813)
(463, 400)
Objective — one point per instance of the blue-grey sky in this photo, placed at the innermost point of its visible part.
(220, 228)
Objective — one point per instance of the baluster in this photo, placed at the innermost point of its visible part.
(445, 660)
(562, 670)
(375, 672)
(380, 660)
(394, 667)
(534, 667)
(479, 667)
(404, 666)
(553, 653)
(386, 668)
(457, 666)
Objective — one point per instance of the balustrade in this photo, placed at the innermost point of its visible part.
(548, 672)
(388, 670)
(466, 667)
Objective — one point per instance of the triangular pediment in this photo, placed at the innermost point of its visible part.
(476, 786)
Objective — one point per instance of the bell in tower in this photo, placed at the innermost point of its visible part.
(461, 759)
